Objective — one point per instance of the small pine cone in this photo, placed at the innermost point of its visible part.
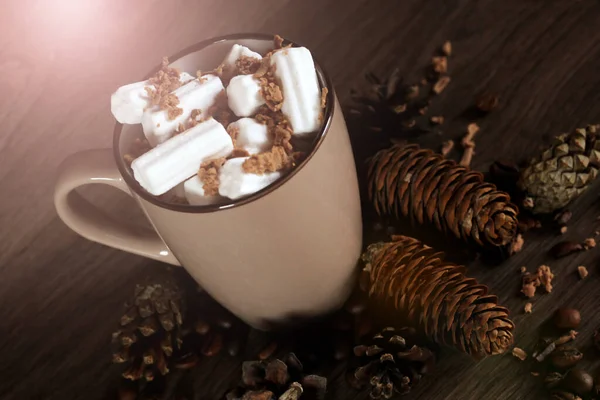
(150, 331)
(391, 363)
(420, 184)
(278, 379)
(562, 172)
(436, 297)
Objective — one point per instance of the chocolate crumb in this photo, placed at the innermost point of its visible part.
(412, 92)
(582, 271)
(399, 109)
(324, 93)
(530, 282)
(563, 249)
(563, 217)
(438, 120)
(563, 230)
(137, 148)
(271, 161)
(247, 65)
(447, 48)
(517, 244)
(533, 373)
(523, 269)
(271, 92)
(528, 307)
(162, 84)
(209, 175)
(239, 153)
(278, 42)
(423, 110)
(447, 147)
(519, 353)
(440, 64)
(589, 243)
(545, 274)
(441, 84)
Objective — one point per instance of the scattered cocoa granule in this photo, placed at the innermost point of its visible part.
(545, 274)
(582, 271)
(517, 244)
(423, 110)
(283, 136)
(423, 82)
(589, 243)
(247, 65)
(324, 93)
(563, 230)
(209, 175)
(271, 93)
(170, 103)
(467, 156)
(278, 42)
(195, 117)
(563, 217)
(519, 353)
(163, 83)
(271, 161)
(447, 147)
(486, 102)
(530, 282)
(409, 123)
(239, 153)
(180, 128)
(441, 84)
(447, 48)
(472, 130)
(201, 77)
(233, 131)
(523, 269)
(265, 65)
(440, 64)
(565, 248)
(438, 120)
(533, 373)
(528, 202)
(528, 307)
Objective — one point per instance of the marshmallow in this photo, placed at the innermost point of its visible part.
(252, 136)
(194, 95)
(235, 183)
(127, 104)
(194, 192)
(179, 158)
(236, 52)
(295, 70)
(243, 95)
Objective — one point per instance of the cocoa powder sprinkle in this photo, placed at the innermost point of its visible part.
(209, 175)
(271, 161)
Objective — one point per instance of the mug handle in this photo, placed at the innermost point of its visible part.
(93, 167)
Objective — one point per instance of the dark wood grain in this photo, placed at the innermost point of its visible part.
(61, 295)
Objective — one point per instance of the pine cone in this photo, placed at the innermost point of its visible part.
(277, 379)
(436, 297)
(150, 331)
(563, 172)
(391, 363)
(409, 181)
(392, 106)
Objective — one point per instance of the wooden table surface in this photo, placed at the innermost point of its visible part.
(62, 295)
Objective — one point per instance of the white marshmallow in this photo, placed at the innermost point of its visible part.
(179, 158)
(178, 191)
(252, 136)
(295, 70)
(236, 52)
(194, 192)
(127, 104)
(192, 96)
(243, 95)
(235, 183)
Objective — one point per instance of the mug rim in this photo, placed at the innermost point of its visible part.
(325, 81)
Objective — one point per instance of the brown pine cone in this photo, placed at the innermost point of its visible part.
(436, 297)
(562, 172)
(150, 331)
(422, 185)
(278, 379)
(391, 363)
